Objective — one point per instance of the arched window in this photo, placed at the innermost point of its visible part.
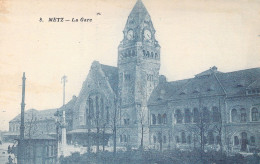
(91, 108)
(148, 54)
(254, 114)
(108, 116)
(236, 140)
(183, 137)
(211, 138)
(97, 107)
(187, 116)
(144, 53)
(164, 118)
(102, 108)
(133, 52)
(178, 116)
(215, 114)
(243, 115)
(125, 140)
(151, 54)
(252, 140)
(159, 119)
(206, 115)
(177, 139)
(164, 139)
(234, 116)
(156, 56)
(189, 139)
(121, 138)
(154, 139)
(218, 138)
(196, 115)
(153, 119)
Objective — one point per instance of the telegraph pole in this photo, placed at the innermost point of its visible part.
(20, 158)
(64, 80)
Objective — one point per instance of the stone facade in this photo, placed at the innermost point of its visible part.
(222, 106)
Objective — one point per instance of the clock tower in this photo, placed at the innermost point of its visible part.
(138, 68)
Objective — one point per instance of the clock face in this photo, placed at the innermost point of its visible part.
(130, 35)
(147, 35)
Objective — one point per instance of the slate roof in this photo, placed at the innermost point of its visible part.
(39, 114)
(208, 83)
(139, 12)
(112, 74)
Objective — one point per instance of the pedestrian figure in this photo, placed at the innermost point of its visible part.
(10, 160)
(9, 149)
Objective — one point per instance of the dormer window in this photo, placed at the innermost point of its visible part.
(241, 83)
(253, 91)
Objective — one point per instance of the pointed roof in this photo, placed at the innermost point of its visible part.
(139, 12)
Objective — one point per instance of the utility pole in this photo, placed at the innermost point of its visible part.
(63, 123)
(64, 79)
(21, 143)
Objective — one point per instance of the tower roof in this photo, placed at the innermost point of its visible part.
(139, 12)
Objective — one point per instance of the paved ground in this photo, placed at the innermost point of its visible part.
(4, 154)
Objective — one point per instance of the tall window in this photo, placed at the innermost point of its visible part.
(215, 114)
(91, 108)
(236, 140)
(189, 139)
(255, 114)
(159, 119)
(196, 116)
(97, 107)
(154, 139)
(252, 140)
(234, 116)
(102, 108)
(164, 139)
(153, 119)
(178, 116)
(183, 137)
(187, 117)
(164, 118)
(177, 139)
(211, 138)
(243, 115)
(206, 115)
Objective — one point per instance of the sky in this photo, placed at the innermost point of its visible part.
(194, 35)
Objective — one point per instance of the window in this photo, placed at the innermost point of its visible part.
(218, 138)
(164, 139)
(189, 139)
(211, 138)
(206, 115)
(102, 107)
(177, 139)
(121, 138)
(108, 117)
(159, 119)
(97, 107)
(151, 54)
(236, 140)
(148, 54)
(144, 53)
(243, 115)
(187, 117)
(178, 116)
(127, 77)
(234, 116)
(183, 137)
(252, 140)
(215, 114)
(154, 139)
(126, 121)
(153, 119)
(91, 108)
(196, 115)
(149, 77)
(255, 114)
(164, 118)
